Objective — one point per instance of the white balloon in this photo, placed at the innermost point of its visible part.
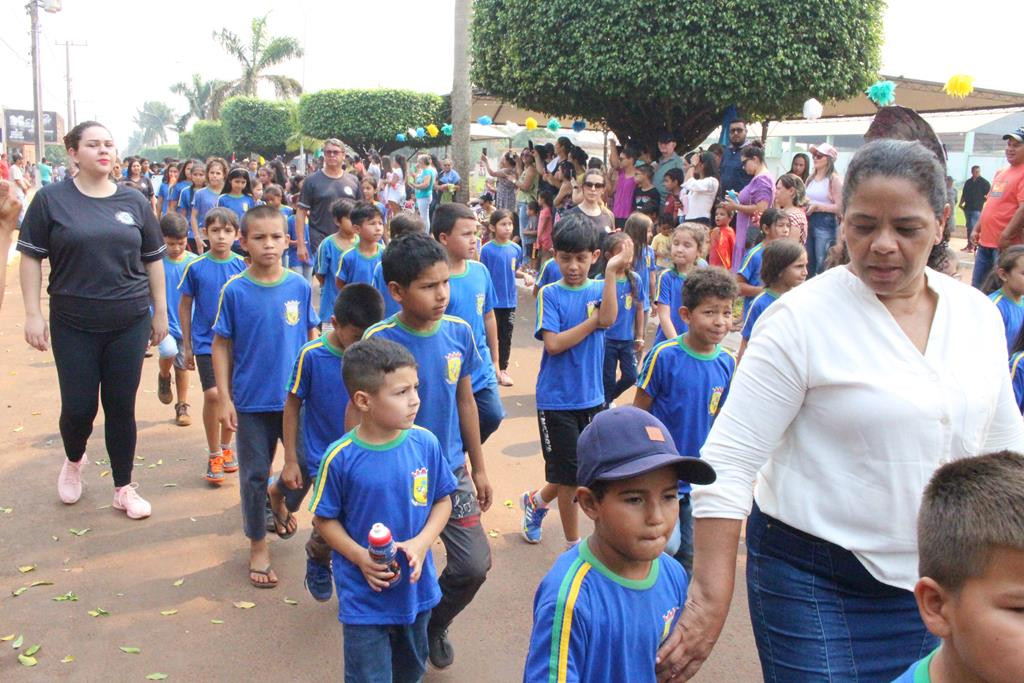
(412, 132)
(511, 127)
(813, 109)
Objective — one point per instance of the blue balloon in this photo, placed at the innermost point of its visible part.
(420, 133)
(400, 137)
(579, 126)
(485, 120)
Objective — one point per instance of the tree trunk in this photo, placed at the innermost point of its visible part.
(461, 98)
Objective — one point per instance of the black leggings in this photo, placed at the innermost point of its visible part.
(107, 363)
(506, 318)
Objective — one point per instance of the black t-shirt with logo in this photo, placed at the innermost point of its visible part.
(98, 248)
(318, 193)
(647, 201)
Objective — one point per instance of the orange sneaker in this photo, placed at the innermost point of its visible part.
(215, 470)
(230, 464)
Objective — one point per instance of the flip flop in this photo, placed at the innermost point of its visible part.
(284, 525)
(263, 572)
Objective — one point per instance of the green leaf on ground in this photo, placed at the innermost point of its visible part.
(6, 511)
(27, 661)
(35, 584)
(289, 601)
(105, 473)
(178, 582)
(168, 612)
(493, 533)
(18, 591)
(244, 604)
(156, 677)
(54, 538)
(169, 486)
(216, 621)
(67, 659)
(17, 642)
(99, 612)
(26, 568)
(129, 650)
(67, 597)
(32, 650)
(6, 638)
(508, 504)
(80, 532)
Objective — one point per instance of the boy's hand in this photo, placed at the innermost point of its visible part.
(228, 416)
(619, 264)
(190, 359)
(291, 475)
(483, 489)
(415, 552)
(528, 280)
(377, 575)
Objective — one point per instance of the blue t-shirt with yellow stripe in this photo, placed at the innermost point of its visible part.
(1013, 316)
(472, 298)
(202, 279)
(630, 298)
(502, 259)
(316, 381)
(444, 355)
(1017, 378)
(390, 305)
(687, 391)
(549, 273)
(573, 379)
(355, 266)
(668, 291)
(173, 271)
(761, 302)
(396, 483)
(751, 272)
(590, 624)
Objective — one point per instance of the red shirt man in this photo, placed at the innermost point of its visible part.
(1002, 218)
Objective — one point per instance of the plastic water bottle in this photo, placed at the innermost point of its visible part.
(382, 550)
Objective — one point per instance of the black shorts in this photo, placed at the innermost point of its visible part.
(204, 364)
(559, 431)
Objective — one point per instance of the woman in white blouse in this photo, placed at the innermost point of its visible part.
(856, 386)
(701, 187)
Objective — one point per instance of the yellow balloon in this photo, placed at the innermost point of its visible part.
(959, 85)
(432, 130)
(531, 123)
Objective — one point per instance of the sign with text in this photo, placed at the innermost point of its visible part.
(21, 126)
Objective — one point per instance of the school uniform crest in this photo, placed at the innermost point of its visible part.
(591, 307)
(513, 263)
(480, 304)
(716, 398)
(454, 367)
(667, 618)
(629, 302)
(291, 312)
(420, 484)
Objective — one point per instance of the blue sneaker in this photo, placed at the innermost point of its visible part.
(532, 517)
(319, 581)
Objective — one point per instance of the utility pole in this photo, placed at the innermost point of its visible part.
(37, 81)
(67, 74)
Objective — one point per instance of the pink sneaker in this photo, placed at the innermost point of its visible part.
(127, 498)
(69, 483)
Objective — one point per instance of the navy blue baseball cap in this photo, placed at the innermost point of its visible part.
(625, 442)
(1017, 134)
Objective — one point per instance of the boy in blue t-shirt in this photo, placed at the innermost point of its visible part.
(385, 471)
(416, 269)
(357, 263)
(471, 297)
(971, 562)
(549, 273)
(328, 255)
(314, 416)
(402, 224)
(172, 353)
(684, 381)
(504, 260)
(1017, 378)
(200, 287)
(264, 318)
(572, 315)
(609, 602)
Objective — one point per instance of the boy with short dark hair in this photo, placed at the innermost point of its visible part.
(314, 416)
(572, 315)
(402, 224)
(608, 603)
(672, 183)
(472, 297)
(357, 263)
(264, 318)
(646, 198)
(384, 471)
(200, 286)
(684, 381)
(328, 254)
(970, 538)
(416, 270)
(174, 228)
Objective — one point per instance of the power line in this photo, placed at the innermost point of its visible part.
(15, 52)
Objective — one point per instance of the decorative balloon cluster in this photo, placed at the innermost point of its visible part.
(511, 128)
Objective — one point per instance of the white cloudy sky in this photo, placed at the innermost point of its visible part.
(137, 49)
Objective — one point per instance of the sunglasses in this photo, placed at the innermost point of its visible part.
(818, 155)
(735, 131)
(593, 186)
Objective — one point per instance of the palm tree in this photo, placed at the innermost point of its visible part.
(262, 52)
(153, 120)
(204, 99)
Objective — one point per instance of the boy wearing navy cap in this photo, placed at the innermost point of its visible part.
(615, 596)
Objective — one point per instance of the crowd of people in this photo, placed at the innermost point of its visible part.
(843, 433)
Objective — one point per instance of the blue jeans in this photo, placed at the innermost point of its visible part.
(524, 222)
(984, 261)
(680, 543)
(972, 218)
(489, 410)
(618, 354)
(382, 654)
(818, 615)
(821, 235)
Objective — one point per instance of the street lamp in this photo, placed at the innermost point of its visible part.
(52, 7)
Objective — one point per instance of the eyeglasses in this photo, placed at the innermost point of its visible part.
(736, 131)
(332, 152)
(593, 186)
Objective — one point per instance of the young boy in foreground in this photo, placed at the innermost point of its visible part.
(970, 537)
(608, 602)
(389, 471)
(172, 351)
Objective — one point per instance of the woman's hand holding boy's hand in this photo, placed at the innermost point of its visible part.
(483, 489)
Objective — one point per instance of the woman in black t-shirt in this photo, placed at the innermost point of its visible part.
(106, 270)
(137, 180)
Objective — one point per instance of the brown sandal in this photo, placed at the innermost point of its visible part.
(262, 572)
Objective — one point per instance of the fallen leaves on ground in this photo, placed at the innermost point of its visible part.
(27, 661)
(129, 650)
(216, 621)
(244, 604)
(493, 533)
(156, 677)
(32, 650)
(26, 568)
(67, 659)
(80, 532)
(40, 583)
(99, 612)
(289, 601)
(178, 582)
(168, 612)
(67, 597)
(18, 642)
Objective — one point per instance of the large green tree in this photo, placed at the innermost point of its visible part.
(153, 120)
(262, 52)
(639, 67)
(204, 98)
(253, 125)
(368, 118)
